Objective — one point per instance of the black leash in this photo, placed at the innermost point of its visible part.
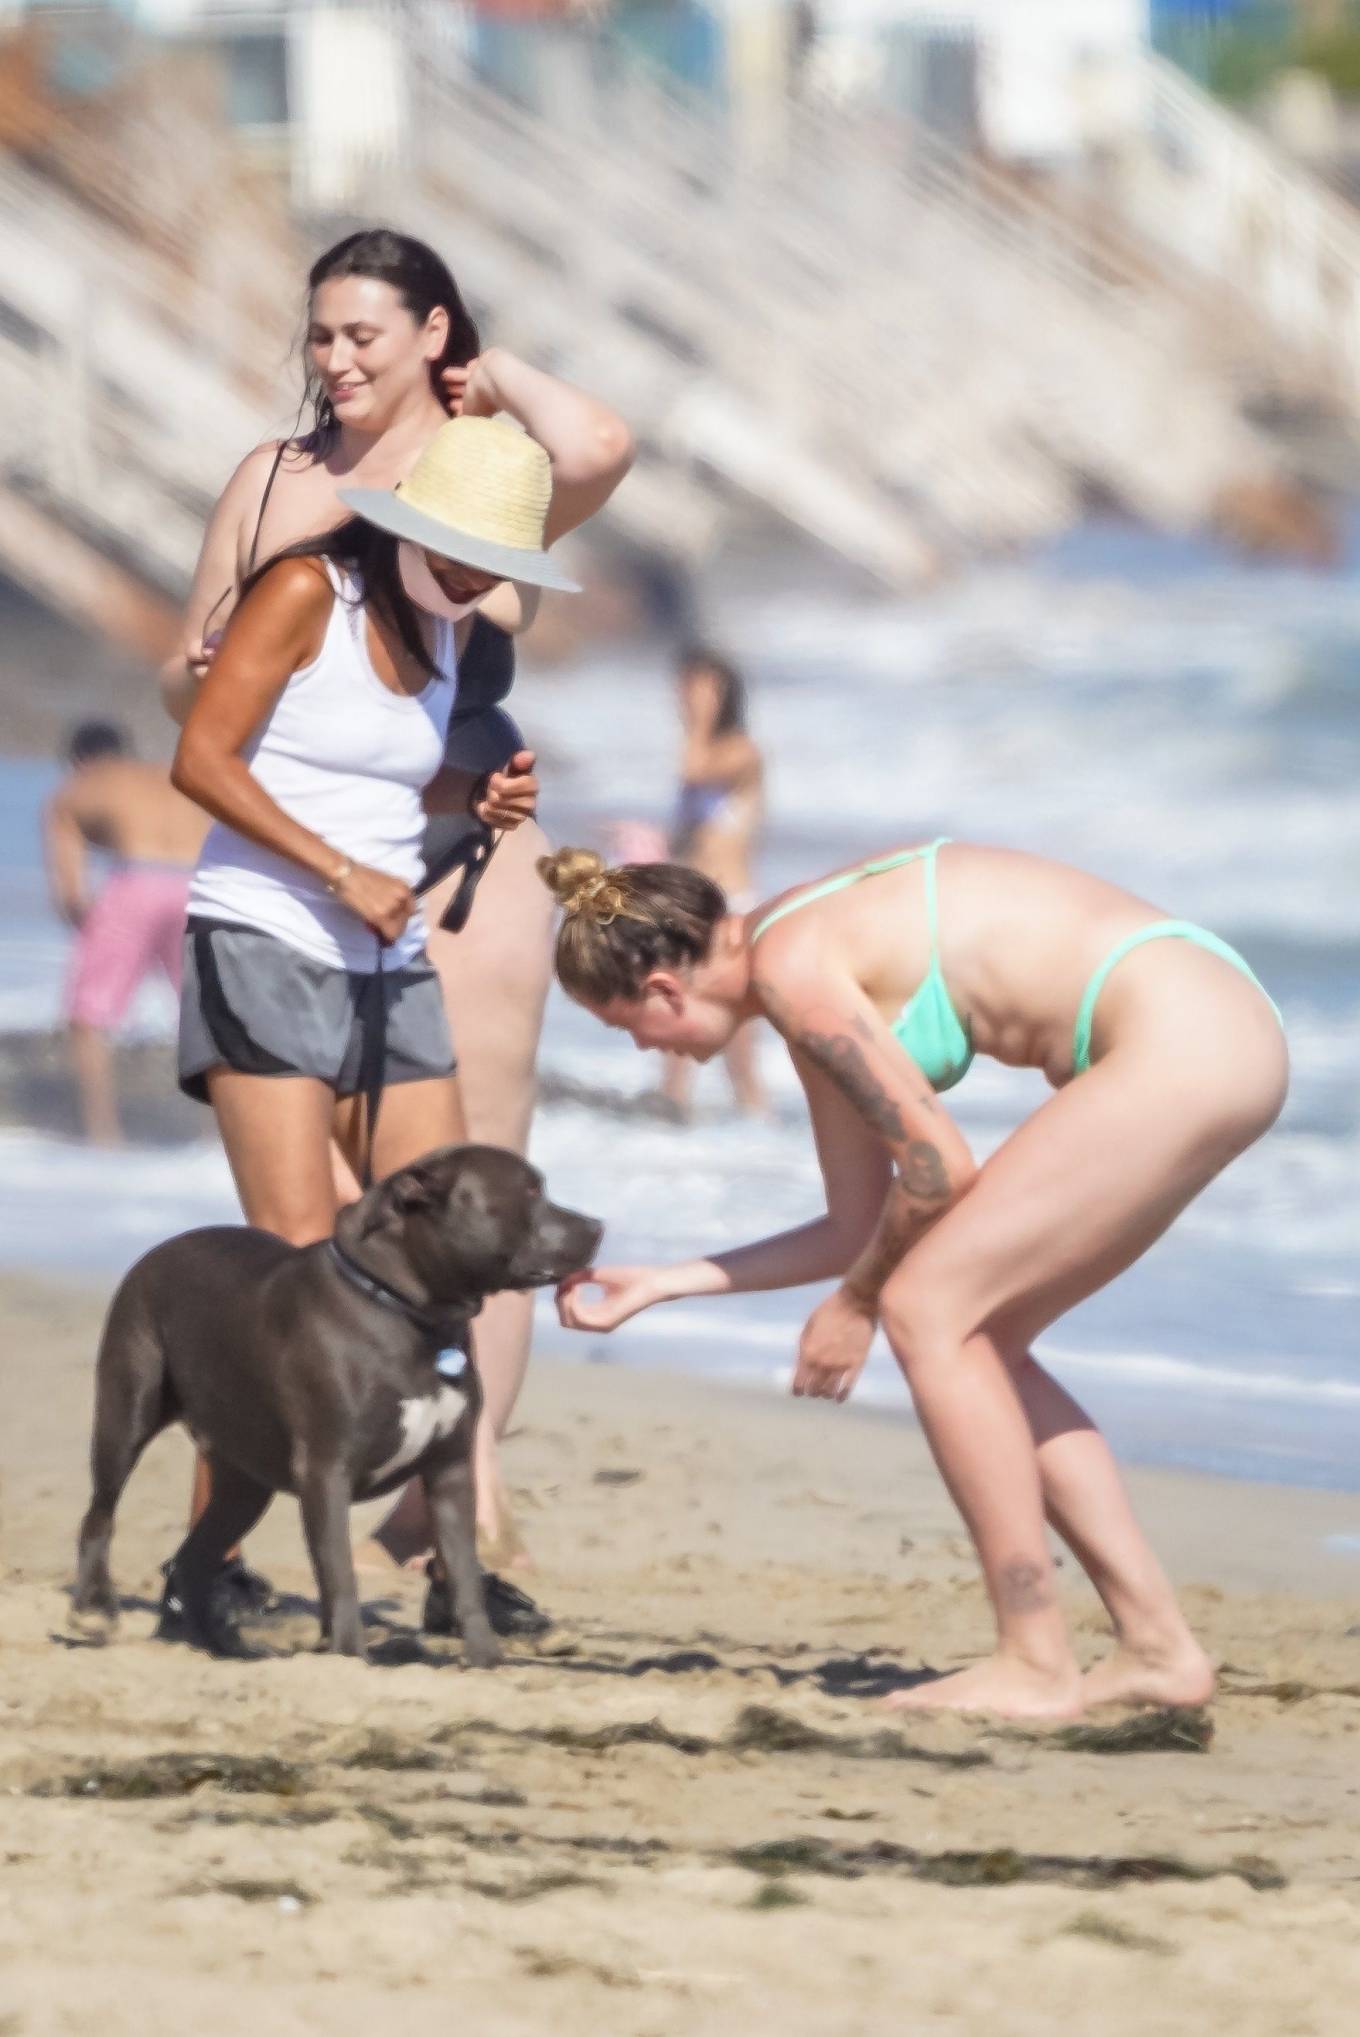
(389, 1297)
(472, 854)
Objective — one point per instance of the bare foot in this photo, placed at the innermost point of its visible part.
(1002, 1686)
(500, 1546)
(1180, 1676)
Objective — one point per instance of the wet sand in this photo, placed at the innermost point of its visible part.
(687, 1813)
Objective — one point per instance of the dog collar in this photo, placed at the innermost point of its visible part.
(392, 1298)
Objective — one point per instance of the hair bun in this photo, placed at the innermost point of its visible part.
(581, 882)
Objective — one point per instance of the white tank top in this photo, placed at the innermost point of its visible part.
(348, 758)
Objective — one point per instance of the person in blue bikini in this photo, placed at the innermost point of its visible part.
(885, 980)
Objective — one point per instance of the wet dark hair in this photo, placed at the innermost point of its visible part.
(620, 923)
(370, 555)
(91, 739)
(420, 278)
(731, 715)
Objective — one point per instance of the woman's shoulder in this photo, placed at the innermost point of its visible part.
(301, 586)
(266, 461)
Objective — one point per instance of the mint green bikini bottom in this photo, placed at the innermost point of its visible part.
(1160, 930)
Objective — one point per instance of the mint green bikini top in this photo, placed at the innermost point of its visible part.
(927, 1026)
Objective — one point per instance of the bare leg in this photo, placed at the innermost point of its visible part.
(495, 975)
(92, 1060)
(743, 1070)
(276, 1131)
(1079, 1192)
(677, 1083)
(1157, 1659)
(415, 1117)
(979, 1437)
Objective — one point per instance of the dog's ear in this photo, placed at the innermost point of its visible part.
(413, 1189)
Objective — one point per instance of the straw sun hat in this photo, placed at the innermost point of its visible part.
(478, 494)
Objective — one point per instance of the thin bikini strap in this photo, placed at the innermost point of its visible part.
(846, 878)
(264, 503)
(929, 857)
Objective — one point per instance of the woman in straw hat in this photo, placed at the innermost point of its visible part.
(391, 351)
(885, 979)
(317, 743)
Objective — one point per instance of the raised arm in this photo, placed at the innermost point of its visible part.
(589, 445)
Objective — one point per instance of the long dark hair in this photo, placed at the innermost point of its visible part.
(731, 715)
(420, 278)
(370, 555)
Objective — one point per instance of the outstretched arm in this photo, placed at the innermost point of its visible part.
(869, 1103)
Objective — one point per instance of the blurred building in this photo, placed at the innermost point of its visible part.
(902, 280)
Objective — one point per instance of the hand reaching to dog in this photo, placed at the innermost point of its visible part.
(627, 1290)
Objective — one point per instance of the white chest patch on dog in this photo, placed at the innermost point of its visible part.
(423, 1422)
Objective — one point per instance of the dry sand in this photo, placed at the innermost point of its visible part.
(691, 1815)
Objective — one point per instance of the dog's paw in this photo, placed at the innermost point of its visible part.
(96, 1624)
(228, 1644)
(482, 1651)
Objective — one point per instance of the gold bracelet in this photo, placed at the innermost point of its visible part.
(338, 876)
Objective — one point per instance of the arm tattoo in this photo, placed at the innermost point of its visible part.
(920, 1188)
(848, 1068)
(903, 1218)
(922, 1173)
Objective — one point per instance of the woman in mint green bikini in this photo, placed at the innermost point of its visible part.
(885, 980)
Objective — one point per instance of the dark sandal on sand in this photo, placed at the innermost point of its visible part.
(510, 1610)
(250, 1592)
(238, 1592)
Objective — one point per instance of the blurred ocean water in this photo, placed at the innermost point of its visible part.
(1172, 720)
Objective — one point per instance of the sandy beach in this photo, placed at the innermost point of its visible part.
(687, 1812)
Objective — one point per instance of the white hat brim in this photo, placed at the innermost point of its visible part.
(386, 509)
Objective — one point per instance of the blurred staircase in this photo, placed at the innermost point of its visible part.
(905, 354)
(144, 323)
(897, 349)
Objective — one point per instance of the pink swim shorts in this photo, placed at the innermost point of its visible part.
(135, 925)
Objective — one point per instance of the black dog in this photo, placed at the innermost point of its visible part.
(336, 1371)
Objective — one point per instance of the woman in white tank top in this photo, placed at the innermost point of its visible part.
(317, 743)
(348, 756)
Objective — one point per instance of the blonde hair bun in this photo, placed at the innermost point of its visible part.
(582, 883)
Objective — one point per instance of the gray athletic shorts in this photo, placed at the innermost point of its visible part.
(250, 1002)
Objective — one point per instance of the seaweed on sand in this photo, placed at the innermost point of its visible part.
(999, 1867)
(1175, 1729)
(179, 1775)
(762, 1729)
